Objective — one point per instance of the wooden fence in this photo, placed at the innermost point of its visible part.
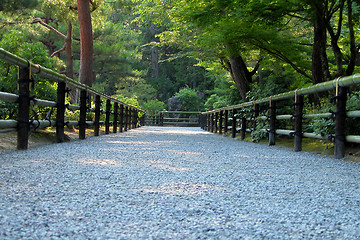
(243, 117)
(123, 116)
(173, 118)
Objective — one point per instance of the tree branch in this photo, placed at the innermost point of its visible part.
(38, 20)
(58, 51)
(277, 54)
(256, 66)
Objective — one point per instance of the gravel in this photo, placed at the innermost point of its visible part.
(176, 183)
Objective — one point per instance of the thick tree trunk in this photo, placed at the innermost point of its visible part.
(154, 53)
(154, 62)
(320, 66)
(86, 75)
(353, 50)
(240, 74)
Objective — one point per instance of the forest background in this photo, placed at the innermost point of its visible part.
(190, 55)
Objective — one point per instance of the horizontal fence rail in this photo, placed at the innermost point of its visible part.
(123, 116)
(173, 118)
(242, 117)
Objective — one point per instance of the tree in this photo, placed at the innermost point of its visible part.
(67, 45)
(231, 30)
(10, 5)
(86, 75)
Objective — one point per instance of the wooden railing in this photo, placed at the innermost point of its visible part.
(123, 116)
(242, 118)
(152, 118)
(173, 118)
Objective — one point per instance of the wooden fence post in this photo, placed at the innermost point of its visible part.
(233, 123)
(221, 115)
(208, 119)
(340, 118)
(210, 122)
(142, 118)
(203, 120)
(115, 121)
(136, 118)
(126, 117)
(131, 116)
(121, 122)
(256, 114)
(83, 109)
(23, 108)
(211, 119)
(97, 116)
(206, 122)
(272, 122)
(161, 118)
(60, 112)
(216, 121)
(226, 121)
(243, 126)
(107, 116)
(299, 104)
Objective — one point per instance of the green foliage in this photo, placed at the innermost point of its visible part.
(128, 100)
(10, 5)
(138, 87)
(189, 99)
(153, 106)
(215, 101)
(321, 126)
(8, 110)
(353, 124)
(257, 134)
(275, 80)
(17, 43)
(72, 115)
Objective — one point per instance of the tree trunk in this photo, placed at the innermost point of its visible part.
(155, 62)
(320, 66)
(69, 61)
(154, 53)
(86, 75)
(353, 50)
(335, 35)
(69, 53)
(240, 75)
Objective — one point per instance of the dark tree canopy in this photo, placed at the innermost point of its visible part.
(10, 5)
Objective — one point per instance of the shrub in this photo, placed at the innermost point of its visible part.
(153, 105)
(189, 100)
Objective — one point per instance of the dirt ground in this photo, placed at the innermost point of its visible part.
(38, 138)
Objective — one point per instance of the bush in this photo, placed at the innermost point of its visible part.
(153, 106)
(128, 100)
(189, 100)
(257, 134)
(215, 101)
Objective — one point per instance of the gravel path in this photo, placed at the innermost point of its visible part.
(176, 183)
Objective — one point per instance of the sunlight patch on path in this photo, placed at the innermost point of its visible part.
(181, 188)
